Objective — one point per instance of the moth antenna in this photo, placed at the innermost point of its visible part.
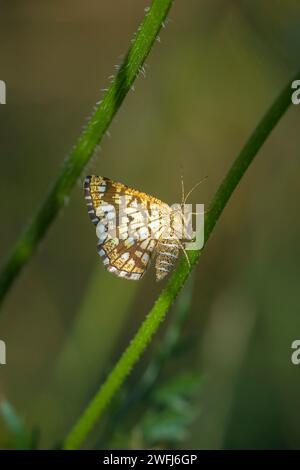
(193, 188)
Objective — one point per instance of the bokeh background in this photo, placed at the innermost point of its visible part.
(219, 65)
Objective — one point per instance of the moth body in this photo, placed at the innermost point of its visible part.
(131, 227)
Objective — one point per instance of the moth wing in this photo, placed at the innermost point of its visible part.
(127, 239)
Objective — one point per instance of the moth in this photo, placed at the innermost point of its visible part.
(132, 228)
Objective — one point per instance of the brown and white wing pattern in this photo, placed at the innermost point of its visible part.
(123, 254)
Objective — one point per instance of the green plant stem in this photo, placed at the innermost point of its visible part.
(87, 143)
(160, 357)
(157, 314)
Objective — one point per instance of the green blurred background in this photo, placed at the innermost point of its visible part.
(219, 65)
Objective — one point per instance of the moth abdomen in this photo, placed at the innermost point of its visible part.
(167, 254)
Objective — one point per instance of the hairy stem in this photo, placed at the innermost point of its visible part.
(157, 314)
(98, 124)
(153, 371)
